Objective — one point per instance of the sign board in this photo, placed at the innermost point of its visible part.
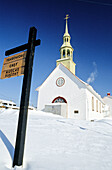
(13, 66)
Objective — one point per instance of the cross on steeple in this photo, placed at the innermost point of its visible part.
(67, 16)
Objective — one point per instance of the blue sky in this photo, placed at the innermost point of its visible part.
(90, 27)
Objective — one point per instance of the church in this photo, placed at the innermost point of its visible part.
(63, 93)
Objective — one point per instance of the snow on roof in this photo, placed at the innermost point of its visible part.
(110, 97)
(6, 101)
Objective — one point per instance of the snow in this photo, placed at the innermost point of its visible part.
(56, 143)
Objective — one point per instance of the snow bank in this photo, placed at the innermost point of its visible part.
(56, 143)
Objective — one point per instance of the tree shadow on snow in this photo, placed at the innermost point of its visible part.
(7, 143)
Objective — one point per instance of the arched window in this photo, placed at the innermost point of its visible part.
(59, 100)
(63, 53)
(67, 39)
(68, 52)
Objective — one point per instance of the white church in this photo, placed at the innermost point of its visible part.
(65, 94)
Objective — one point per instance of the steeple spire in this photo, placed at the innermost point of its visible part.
(66, 28)
(66, 46)
(66, 50)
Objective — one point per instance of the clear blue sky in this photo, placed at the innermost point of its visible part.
(90, 27)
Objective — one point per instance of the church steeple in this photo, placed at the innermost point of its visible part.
(66, 50)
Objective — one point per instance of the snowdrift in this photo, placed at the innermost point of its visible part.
(56, 143)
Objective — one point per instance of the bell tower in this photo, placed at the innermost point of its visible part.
(66, 51)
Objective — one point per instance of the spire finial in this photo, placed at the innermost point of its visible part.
(67, 16)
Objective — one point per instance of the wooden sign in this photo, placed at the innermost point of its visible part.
(12, 73)
(13, 66)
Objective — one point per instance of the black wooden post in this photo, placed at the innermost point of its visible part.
(22, 122)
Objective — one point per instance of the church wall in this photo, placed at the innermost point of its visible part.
(77, 106)
(95, 112)
(108, 101)
(72, 91)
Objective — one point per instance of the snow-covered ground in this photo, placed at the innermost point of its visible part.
(56, 143)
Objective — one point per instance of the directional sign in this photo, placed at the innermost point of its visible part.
(12, 73)
(13, 66)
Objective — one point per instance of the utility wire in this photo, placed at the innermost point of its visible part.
(94, 2)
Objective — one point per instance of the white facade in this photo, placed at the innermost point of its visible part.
(76, 93)
(48, 91)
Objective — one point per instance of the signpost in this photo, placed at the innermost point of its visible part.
(22, 122)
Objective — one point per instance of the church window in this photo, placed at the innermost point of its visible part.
(76, 111)
(59, 100)
(4, 103)
(60, 81)
(64, 53)
(68, 52)
(92, 103)
(96, 105)
(67, 39)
